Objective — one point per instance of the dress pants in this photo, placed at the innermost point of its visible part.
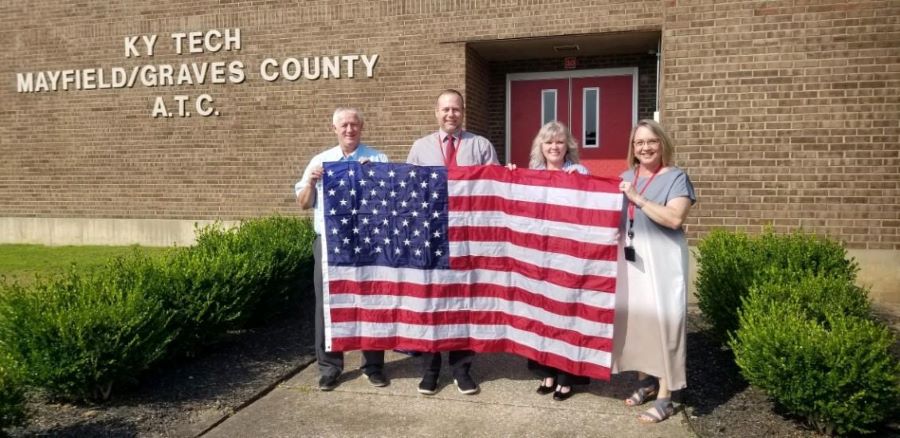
(460, 362)
(332, 363)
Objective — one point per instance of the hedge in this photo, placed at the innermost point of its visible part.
(80, 334)
(730, 263)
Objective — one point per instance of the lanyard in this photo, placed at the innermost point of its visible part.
(637, 170)
(636, 173)
(451, 160)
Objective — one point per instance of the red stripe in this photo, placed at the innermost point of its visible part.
(550, 275)
(548, 244)
(586, 369)
(369, 288)
(536, 210)
(540, 178)
(472, 318)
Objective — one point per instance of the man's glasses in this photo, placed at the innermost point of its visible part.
(642, 143)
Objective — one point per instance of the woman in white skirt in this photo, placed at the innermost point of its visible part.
(651, 292)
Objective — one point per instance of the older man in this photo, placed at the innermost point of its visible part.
(348, 125)
(450, 146)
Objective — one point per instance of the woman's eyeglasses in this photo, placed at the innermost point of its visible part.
(642, 143)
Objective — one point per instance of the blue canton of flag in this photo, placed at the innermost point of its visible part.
(386, 214)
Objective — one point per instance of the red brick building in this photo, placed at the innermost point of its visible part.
(785, 113)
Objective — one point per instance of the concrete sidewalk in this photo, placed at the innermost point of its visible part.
(507, 406)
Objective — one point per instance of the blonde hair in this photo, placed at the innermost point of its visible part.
(548, 132)
(667, 148)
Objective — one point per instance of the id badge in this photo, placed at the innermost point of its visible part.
(630, 255)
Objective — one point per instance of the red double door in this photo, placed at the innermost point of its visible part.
(598, 106)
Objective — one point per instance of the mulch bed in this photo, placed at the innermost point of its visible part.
(186, 398)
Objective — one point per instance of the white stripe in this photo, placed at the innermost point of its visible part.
(477, 304)
(541, 194)
(562, 262)
(583, 233)
(478, 332)
(588, 297)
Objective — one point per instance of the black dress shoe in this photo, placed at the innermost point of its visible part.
(544, 390)
(560, 396)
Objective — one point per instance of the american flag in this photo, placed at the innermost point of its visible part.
(471, 258)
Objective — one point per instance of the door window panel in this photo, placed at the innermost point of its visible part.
(548, 106)
(591, 114)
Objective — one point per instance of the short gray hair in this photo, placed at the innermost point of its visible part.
(346, 109)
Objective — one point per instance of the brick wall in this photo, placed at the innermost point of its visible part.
(98, 153)
(784, 112)
(788, 114)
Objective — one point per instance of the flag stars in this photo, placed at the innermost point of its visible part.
(391, 173)
(357, 250)
(436, 234)
(374, 192)
(346, 241)
(438, 252)
(434, 175)
(371, 172)
(434, 195)
(384, 222)
(416, 233)
(337, 250)
(354, 211)
(435, 215)
(424, 204)
(424, 184)
(386, 241)
(396, 232)
(393, 194)
(378, 249)
(412, 173)
(413, 194)
(393, 212)
(427, 244)
(343, 202)
(415, 214)
(342, 182)
(364, 201)
(418, 252)
(402, 184)
(365, 221)
(334, 231)
(351, 172)
(376, 231)
(367, 240)
(330, 173)
(406, 242)
(345, 221)
(352, 192)
(355, 230)
(332, 192)
(381, 183)
(332, 212)
(375, 211)
(405, 222)
(362, 183)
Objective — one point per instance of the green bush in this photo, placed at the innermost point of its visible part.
(12, 397)
(235, 276)
(79, 334)
(837, 372)
(730, 263)
(82, 333)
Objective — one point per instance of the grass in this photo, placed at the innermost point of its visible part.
(22, 262)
